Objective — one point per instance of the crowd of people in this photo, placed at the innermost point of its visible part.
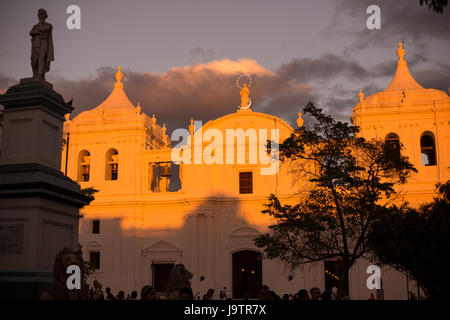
(264, 293)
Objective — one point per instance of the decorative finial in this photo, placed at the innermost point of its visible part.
(245, 92)
(361, 95)
(67, 116)
(153, 121)
(138, 108)
(119, 76)
(191, 126)
(400, 52)
(299, 120)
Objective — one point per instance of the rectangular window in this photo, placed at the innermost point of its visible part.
(114, 169)
(96, 226)
(245, 182)
(161, 276)
(94, 259)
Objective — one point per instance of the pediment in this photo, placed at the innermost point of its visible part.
(93, 244)
(162, 246)
(244, 233)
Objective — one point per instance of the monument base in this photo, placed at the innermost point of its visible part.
(38, 218)
(25, 285)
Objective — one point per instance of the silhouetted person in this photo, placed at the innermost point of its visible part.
(223, 294)
(98, 292)
(109, 295)
(286, 297)
(303, 295)
(148, 293)
(208, 295)
(371, 297)
(264, 293)
(326, 296)
(121, 295)
(274, 296)
(315, 293)
(186, 294)
(133, 295)
(334, 293)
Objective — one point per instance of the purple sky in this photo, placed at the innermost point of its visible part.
(296, 50)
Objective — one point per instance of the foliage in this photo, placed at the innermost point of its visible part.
(90, 191)
(435, 5)
(88, 267)
(416, 241)
(348, 178)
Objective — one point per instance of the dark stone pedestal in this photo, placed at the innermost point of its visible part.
(39, 206)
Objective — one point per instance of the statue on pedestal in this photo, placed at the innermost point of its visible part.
(245, 92)
(41, 46)
(63, 260)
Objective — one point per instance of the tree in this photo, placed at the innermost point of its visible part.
(348, 178)
(416, 241)
(434, 5)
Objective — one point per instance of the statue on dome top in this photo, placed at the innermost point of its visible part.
(245, 92)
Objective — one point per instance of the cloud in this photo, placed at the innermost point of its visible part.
(202, 91)
(325, 67)
(6, 82)
(435, 78)
(199, 54)
(207, 91)
(400, 20)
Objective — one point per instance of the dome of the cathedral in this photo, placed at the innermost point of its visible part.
(118, 98)
(402, 79)
(402, 90)
(115, 107)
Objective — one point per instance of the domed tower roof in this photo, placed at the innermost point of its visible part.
(402, 93)
(402, 79)
(118, 98)
(116, 107)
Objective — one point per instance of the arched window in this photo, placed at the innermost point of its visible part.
(112, 164)
(428, 149)
(84, 165)
(392, 146)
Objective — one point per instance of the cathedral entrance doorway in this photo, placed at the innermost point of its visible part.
(247, 273)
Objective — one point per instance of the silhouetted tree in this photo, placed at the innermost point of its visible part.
(416, 241)
(349, 176)
(435, 5)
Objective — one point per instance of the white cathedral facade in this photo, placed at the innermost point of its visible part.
(151, 213)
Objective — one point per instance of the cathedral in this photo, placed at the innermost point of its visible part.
(151, 213)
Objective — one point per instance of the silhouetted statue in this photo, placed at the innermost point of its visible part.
(179, 278)
(60, 291)
(41, 46)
